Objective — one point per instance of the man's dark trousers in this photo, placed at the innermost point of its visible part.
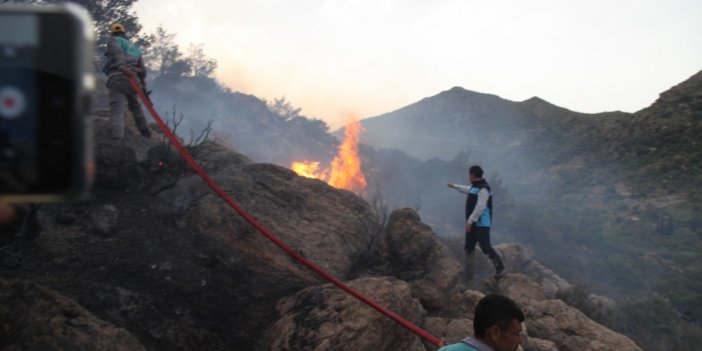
(480, 235)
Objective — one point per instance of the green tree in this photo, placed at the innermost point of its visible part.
(283, 108)
(200, 64)
(164, 56)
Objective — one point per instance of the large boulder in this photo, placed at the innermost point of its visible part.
(414, 254)
(536, 344)
(328, 226)
(324, 224)
(450, 330)
(33, 317)
(555, 321)
(520, 288)
(326, 318)
(464, 303)
(571, 330)
(519, 259)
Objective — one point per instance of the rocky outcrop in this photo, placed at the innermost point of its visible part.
(555, 321)
(319, 317)
(36, 318)
(571, 330)
(450, 330)
(521, 288)
(325, 318)
(326, 225)
(424, 276)
(413, 253)
(519, 259)
(536, 344)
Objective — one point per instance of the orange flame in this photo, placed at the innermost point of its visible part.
(346, 167)
(309, 169)
(345, 170)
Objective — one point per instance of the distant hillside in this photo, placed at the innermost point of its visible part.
(662, 139)
(613, 199)
(521, 139)
(242, 121)
(504, 135)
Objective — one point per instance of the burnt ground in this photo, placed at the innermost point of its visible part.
(178, 278)
(172, 288)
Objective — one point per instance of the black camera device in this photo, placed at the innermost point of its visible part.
(46, 65)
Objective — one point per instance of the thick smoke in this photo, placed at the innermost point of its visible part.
(243, 122)
(561, 186)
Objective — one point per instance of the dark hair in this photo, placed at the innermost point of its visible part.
(476, 171)
(495, 310)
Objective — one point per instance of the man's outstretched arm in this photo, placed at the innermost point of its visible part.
(460, 188)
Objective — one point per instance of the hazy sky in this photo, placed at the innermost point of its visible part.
(336, 57)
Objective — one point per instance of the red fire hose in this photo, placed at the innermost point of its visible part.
(235, 206)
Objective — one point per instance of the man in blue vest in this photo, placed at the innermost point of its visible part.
(478, 220)
(497, 326)
(124, 61)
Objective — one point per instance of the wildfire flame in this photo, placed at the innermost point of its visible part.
(309, 169)
(345, 171)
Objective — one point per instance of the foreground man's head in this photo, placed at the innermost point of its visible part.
(498, 323)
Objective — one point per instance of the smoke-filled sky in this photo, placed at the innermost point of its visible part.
(339, 57)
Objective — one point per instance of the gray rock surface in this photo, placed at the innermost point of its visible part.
(36, 318)
(450, 330)
(521, 288)
(325, 318)
(520, 259)
(536, 344)
(325, 225)
(553, 320)
(571, 330)
(415, 254)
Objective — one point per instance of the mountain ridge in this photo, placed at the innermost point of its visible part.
(603, 184)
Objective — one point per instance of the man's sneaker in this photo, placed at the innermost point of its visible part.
(146, 133)
(499, 266)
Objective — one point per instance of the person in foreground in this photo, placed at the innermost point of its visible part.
(478, 220)
(497, 325)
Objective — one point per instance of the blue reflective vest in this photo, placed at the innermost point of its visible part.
(485, 219)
